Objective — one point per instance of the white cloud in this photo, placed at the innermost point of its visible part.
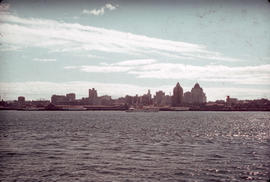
(111, 7)
(71, 67)
(62, 37)
(104, 69)
(37, 90)
(150, 68)
(95, 12)
(123, 66)
(44, 60)
(211, 73)
(136, 62)
(100, 69)
(100, 11)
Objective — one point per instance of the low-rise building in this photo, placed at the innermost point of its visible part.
(58, 99)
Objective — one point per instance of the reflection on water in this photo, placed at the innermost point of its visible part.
(120, 146)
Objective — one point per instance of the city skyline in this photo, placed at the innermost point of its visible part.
(125, 47)
(193, 100)
(184, 96)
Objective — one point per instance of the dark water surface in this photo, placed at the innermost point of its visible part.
(120, 146)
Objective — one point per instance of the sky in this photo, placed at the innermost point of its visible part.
(125, 47)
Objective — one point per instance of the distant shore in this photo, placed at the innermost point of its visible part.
(111, 108)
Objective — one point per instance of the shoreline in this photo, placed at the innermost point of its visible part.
(202, 110)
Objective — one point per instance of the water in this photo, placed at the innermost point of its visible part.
(120, 146)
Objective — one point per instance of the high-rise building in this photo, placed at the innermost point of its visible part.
(149, 95)
(92, 93)
(187, 97)
(92, 96)
(158, 97)
(197, 94)
(177, 98)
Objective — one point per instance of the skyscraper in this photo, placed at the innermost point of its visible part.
(197, 94)
(92, 96)
(177, 98)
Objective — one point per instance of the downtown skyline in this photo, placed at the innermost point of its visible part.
(123, 47)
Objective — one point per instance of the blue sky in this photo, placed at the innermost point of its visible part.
(128, 47)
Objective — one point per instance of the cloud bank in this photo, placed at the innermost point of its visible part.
(150, 68)
(66, 37)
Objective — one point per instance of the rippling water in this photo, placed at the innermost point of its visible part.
(120, 146)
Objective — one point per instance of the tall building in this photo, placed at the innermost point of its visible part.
(187, 97)
(158, 97)
(197, 94)
(92, 96)
(177, 98)
(149, 97)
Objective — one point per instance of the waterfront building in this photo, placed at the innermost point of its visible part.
(92, 96)
(158, 97)
(231, 101)
(197, 94)
(166, 100)
(129, 99)
(40, 103)
(136, 100)
(187, 97)
(71, 97)
(177, 98)
(149, 97)
(220, 102)
(105, 100)
(58, 99)
(83, 101)
(120, 101)
(21, 100)
(146, 99)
